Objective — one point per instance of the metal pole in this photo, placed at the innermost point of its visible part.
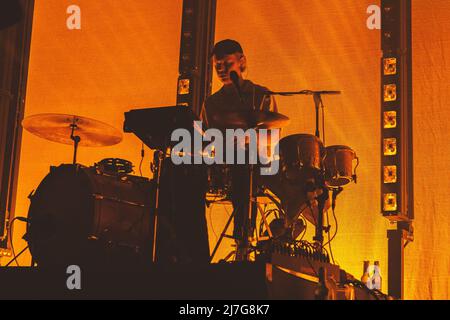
(161, 156)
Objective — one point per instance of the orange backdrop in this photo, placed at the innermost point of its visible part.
(126, 56)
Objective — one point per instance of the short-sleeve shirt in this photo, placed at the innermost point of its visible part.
(227, 99)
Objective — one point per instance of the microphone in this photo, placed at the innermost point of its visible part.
(235, 79)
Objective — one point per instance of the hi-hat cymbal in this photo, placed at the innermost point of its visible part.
(251, 119)
(58, 128)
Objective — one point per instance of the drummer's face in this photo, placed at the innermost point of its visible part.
(228, 63)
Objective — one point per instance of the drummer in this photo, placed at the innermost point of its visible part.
(228, 56)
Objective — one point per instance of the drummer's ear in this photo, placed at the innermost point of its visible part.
(243, 63)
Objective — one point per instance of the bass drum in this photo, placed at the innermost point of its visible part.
(81, 216)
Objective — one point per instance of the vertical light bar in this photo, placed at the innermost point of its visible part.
(197, 40)
(396, 134)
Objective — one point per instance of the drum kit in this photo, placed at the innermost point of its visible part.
(76, 206)
(308, 172)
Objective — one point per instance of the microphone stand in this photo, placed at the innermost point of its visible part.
(302, 92)
(317, 95)
(317, 102)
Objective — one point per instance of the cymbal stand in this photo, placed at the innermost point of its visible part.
(223, 235)
(247, 225)
(248, 218)
(225, 229)
(76, 140)
(159, 159)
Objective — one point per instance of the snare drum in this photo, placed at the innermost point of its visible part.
(301, 156)
(339, 166)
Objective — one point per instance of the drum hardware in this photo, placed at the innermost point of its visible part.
(218, 183)
(114, 166)
(272, 230)
(277, 228)
(242, 250)
(280, 231)
(281, 225)
(317, 95)
(321, 199)
(266, 192)
(335, 193)
(267, 225)
(115, 199)
(223, 235)
(160, 156)
(76, 140)
(244, 254)
(317, 104)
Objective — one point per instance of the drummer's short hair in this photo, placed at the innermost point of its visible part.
(226, 47)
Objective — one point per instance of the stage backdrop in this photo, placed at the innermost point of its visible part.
(126, 56)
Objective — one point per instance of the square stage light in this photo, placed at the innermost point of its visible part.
(389, 66)
(390, 92)
(183, 86)
(390, 146)
(390, 174)
(389, 119)
(390, 202)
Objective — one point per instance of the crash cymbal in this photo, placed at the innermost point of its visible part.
(58, 128)
(251, 119)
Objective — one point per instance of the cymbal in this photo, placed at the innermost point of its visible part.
(58, 128)
(251, 119)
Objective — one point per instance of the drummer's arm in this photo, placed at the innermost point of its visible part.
(269, 103)
(203, 116)
(273, 104)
